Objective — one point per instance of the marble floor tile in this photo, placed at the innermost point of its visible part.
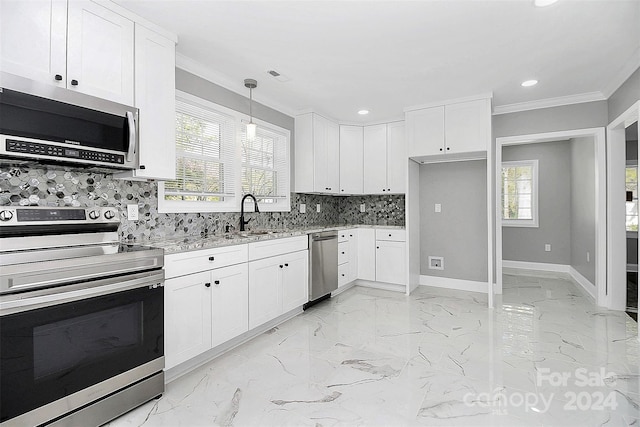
(545, 356)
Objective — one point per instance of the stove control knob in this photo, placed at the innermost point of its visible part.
(6, 215)
(94, 214)
(109, 214)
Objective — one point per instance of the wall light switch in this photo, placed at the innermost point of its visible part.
(303, 208)
(132, 212)
(363, 207)
(438, 207)
(547, 247)
(318, 207)
(588, 256)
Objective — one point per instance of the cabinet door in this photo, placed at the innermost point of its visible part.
(33, 39)
(155, 76)
(468, 126)
(187, 317)
(353, 255)
(265, 290)
(375, 159)
(333, 158)
(295, 280)
(425, 131)
(396, 158)
(390, 262)
(351, 160)
(229, 303)
(99, 52)
(366, 254)
(320, 154)
(304, 153)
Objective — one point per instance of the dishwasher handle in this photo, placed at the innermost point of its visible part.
(320, 239)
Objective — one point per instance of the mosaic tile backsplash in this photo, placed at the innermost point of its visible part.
(48, 186)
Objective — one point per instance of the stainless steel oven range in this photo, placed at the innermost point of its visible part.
(81, 318)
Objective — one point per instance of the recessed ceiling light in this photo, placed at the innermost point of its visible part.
(363, 112)
(529, 83)
(543, 3)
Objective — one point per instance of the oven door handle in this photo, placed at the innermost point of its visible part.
(16, 303)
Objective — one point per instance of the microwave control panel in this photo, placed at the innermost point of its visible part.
(38, 148)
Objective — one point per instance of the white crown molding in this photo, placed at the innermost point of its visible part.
(629, 68)
(373, 123)
(197, 68)
(488, 95)
(549, 102)
(109, 4)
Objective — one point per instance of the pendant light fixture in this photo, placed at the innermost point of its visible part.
(251, 127)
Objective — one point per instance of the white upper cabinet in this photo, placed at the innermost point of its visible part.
(100, 52)
(385, 159)
(33, 40)
(351, 159)
(396, 158)
(375, 159)
(317, 153)
(78, 44)
(155, 97)
(456, 129)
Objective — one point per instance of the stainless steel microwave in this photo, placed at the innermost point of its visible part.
(55, 125)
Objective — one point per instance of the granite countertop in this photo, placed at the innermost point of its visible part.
(173, 245)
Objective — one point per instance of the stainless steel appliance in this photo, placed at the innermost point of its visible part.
(323, 269)
(81, 318)
(39, 122)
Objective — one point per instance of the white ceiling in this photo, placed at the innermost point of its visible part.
(342, 56)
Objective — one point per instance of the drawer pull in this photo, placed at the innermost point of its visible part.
(342, 253)
(342, 274)
(217, 282)
(208, 284)
(389, 235)
(281, 265)
(286, 265)
(211, 258)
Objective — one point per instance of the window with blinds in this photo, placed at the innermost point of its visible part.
(216, 164)
(520, 193)
(265, 166)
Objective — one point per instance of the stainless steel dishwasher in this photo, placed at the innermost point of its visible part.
(323, 270)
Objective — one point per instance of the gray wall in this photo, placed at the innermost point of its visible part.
(554, 201)
(566, 117)
(583, 207)
(459, 232)
(625, 96)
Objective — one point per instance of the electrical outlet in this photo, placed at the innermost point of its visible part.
(547, 247)
(132, 212)
(438, 207)
(303, 208)
(363, 207)
(436, 263)
(318, 207)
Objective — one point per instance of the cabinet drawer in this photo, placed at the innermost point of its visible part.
(343, 274)
(269, 248)
(391, 234)
(345, 235)
(343, 252)
(208, 259)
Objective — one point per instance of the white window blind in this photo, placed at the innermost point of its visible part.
(205, 151)
(520, 193)
(265, 167)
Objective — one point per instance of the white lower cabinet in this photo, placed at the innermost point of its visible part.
(347, 256)
(203, 310)
(277, 285)
(382, 255)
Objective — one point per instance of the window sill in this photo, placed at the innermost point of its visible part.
(524, 224)
(632, 234)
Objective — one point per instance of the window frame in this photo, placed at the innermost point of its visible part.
(239, 121)
(534, 221)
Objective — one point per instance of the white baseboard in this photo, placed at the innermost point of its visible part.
(537, 266)
(459, 284)
(589, 287)
(584, 283)
(341, 289)
(381, 285)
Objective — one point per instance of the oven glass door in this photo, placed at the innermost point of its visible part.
(53, 352)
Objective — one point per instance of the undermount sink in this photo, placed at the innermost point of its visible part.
(249, 233)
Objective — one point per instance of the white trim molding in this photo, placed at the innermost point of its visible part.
(488, 95)
(586, 284)
(536, 266)
(448, 283)
(629, 68)
(549, 102)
